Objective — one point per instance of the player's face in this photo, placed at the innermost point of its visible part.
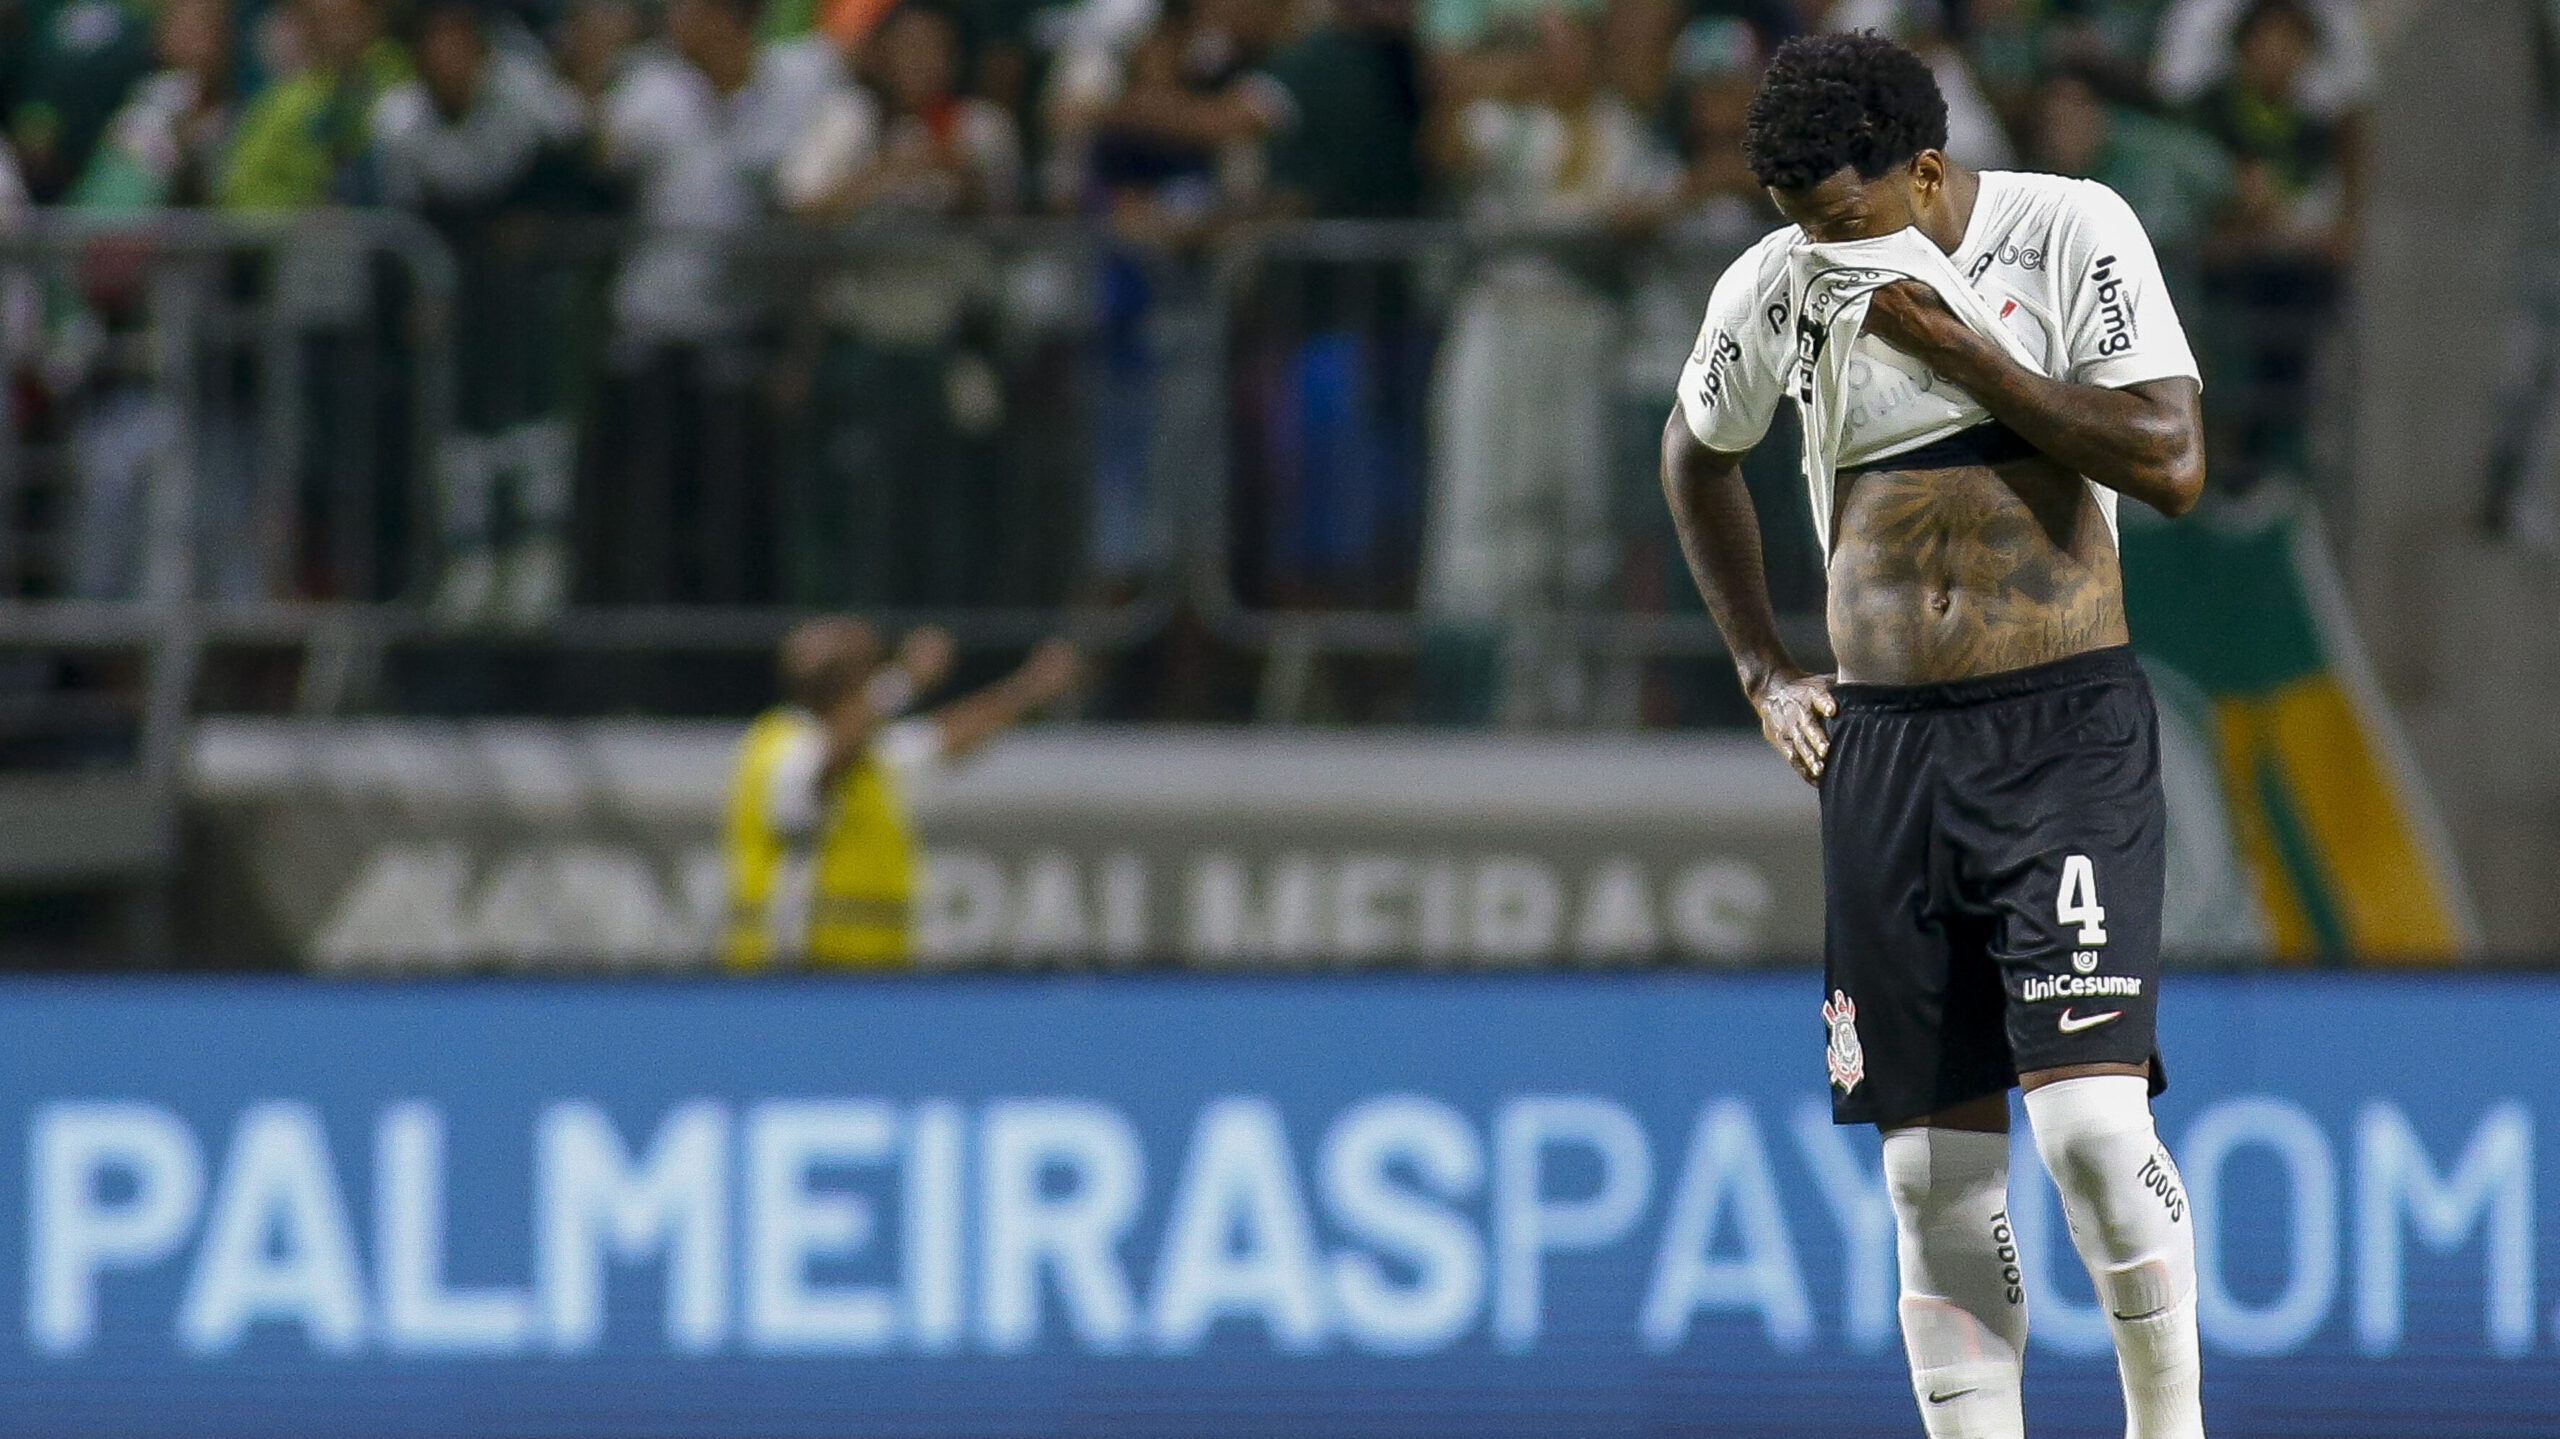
(1846, 207)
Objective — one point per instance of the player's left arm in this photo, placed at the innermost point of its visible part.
(2145, 440)
(2127, 410)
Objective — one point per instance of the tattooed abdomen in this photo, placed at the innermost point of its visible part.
(1944, 574)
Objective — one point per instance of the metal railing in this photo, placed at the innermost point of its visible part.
(1494, 398)
(1321, 439)
(207, 360)
(192, 340)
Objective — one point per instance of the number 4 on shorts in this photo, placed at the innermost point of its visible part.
(2079, 900)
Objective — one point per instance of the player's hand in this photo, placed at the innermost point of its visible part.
(926, 655)
(1910, 317)
(1795, 713)
(1053, 668)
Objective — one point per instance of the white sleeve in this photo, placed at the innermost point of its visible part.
(2193, 48)
(1974, 135)
(2119, 326)
(561, 109)
(840, 142)
(1482, 128)
(1730, 388)
(911, 750)
(638, 114)
(793, 805)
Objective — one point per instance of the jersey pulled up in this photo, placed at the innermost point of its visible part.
(2063, 263)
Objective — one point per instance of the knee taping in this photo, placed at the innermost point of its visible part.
(2128, 1214)
(1963, 1306)
(2120, 1190)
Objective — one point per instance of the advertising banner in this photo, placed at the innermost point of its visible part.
(1180, 1206)
(401, 845)
(366, 846)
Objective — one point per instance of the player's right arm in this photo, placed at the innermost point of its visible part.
(1720, 536)
(1729, 392)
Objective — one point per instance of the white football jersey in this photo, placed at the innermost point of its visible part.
(2063, 263)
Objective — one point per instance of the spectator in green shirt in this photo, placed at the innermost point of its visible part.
(306, 141)
(162, 149)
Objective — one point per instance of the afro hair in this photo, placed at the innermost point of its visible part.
(1833, 102)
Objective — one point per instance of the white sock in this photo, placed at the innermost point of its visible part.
(1964, 1305)
(2128, 1213)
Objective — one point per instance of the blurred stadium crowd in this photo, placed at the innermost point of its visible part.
(930, 303)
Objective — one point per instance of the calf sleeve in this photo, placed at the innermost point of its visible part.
(2128, 1213)
(1964, 1305)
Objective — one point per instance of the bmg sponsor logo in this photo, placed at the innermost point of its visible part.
(2115, 308)
(1719, 365)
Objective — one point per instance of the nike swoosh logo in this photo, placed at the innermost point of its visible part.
(2071, 1025)
(1951, 1398)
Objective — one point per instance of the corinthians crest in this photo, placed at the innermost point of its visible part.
(1848, 1060)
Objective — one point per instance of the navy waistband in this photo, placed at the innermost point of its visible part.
(1988, 443)
(2115, 662)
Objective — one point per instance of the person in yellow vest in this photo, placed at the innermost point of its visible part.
(821, 856)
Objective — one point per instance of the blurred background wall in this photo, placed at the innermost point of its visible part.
(1322, 948)
(2460, 224)
(418, 410)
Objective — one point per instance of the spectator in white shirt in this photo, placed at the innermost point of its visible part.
(1555, 146)
(683, 445)
(2199, 40)
(922, 147)
(700, 130)
(1517, 521)
(892, 489)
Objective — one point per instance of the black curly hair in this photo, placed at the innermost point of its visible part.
(1829, 102)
